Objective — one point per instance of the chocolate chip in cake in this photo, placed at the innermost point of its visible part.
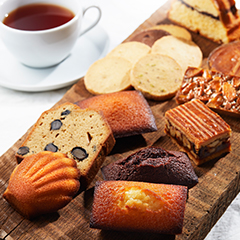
(23, 150)
(51, 147)
(79, 153)
(56, 124)
(66, 112)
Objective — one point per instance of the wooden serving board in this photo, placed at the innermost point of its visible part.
(217, 187)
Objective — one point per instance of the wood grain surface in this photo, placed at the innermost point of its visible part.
(207, 201)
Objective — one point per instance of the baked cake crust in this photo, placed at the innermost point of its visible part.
(127, 112)
(138, 206)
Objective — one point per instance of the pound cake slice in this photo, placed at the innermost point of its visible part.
(217, 20)
(138, 206)
(198, 131)
(42, 183)
(155, 165)
(127, 112)
(83, 135)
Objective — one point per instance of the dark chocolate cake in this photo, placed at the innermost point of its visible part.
(155, 165)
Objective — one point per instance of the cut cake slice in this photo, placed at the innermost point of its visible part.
(217, 20)
(198, 131)
(83, 135)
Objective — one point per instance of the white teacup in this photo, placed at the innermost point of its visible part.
(44, 48)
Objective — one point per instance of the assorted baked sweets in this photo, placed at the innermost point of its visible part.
(149, 36)
(138, 206)
(174, 30)
(132, 51)
(157, 76)
(83, 135)
(155, 165)
(127, 112)
(42, 183)
(109, 74)
(225, 59)
(218, 91)
(217, 20)
(186, 53)
(198, 131)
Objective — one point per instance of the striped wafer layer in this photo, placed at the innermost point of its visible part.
(198, 123)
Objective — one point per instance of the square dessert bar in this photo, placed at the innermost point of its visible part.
(198, 131)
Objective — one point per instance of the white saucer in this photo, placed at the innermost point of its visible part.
(89, 48)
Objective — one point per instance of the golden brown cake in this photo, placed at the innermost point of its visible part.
(127, 112)
(225, 59)
(198, 131)
(218, 91)
(83, 135)
(138, 206)
(42, 183)
(217, 20)
(155, 165)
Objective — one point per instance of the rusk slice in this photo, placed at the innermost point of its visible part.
(186, 53)
(83, 135)
(198, 131)
(175, 30)
(107, 75)
(132, 51)
(157, 76)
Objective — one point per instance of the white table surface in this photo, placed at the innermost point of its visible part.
(19, 110)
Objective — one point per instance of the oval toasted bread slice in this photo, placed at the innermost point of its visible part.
(132, 51)
(107, 75)
(157, 76)
(186, 53)
(174, 30)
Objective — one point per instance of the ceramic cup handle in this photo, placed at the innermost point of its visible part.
(96, 20)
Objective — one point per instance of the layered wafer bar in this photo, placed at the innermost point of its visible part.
(218, 91)
(198, 131)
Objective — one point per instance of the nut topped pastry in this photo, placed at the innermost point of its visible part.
(198, 131)
(218, 91)
(42, 183)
